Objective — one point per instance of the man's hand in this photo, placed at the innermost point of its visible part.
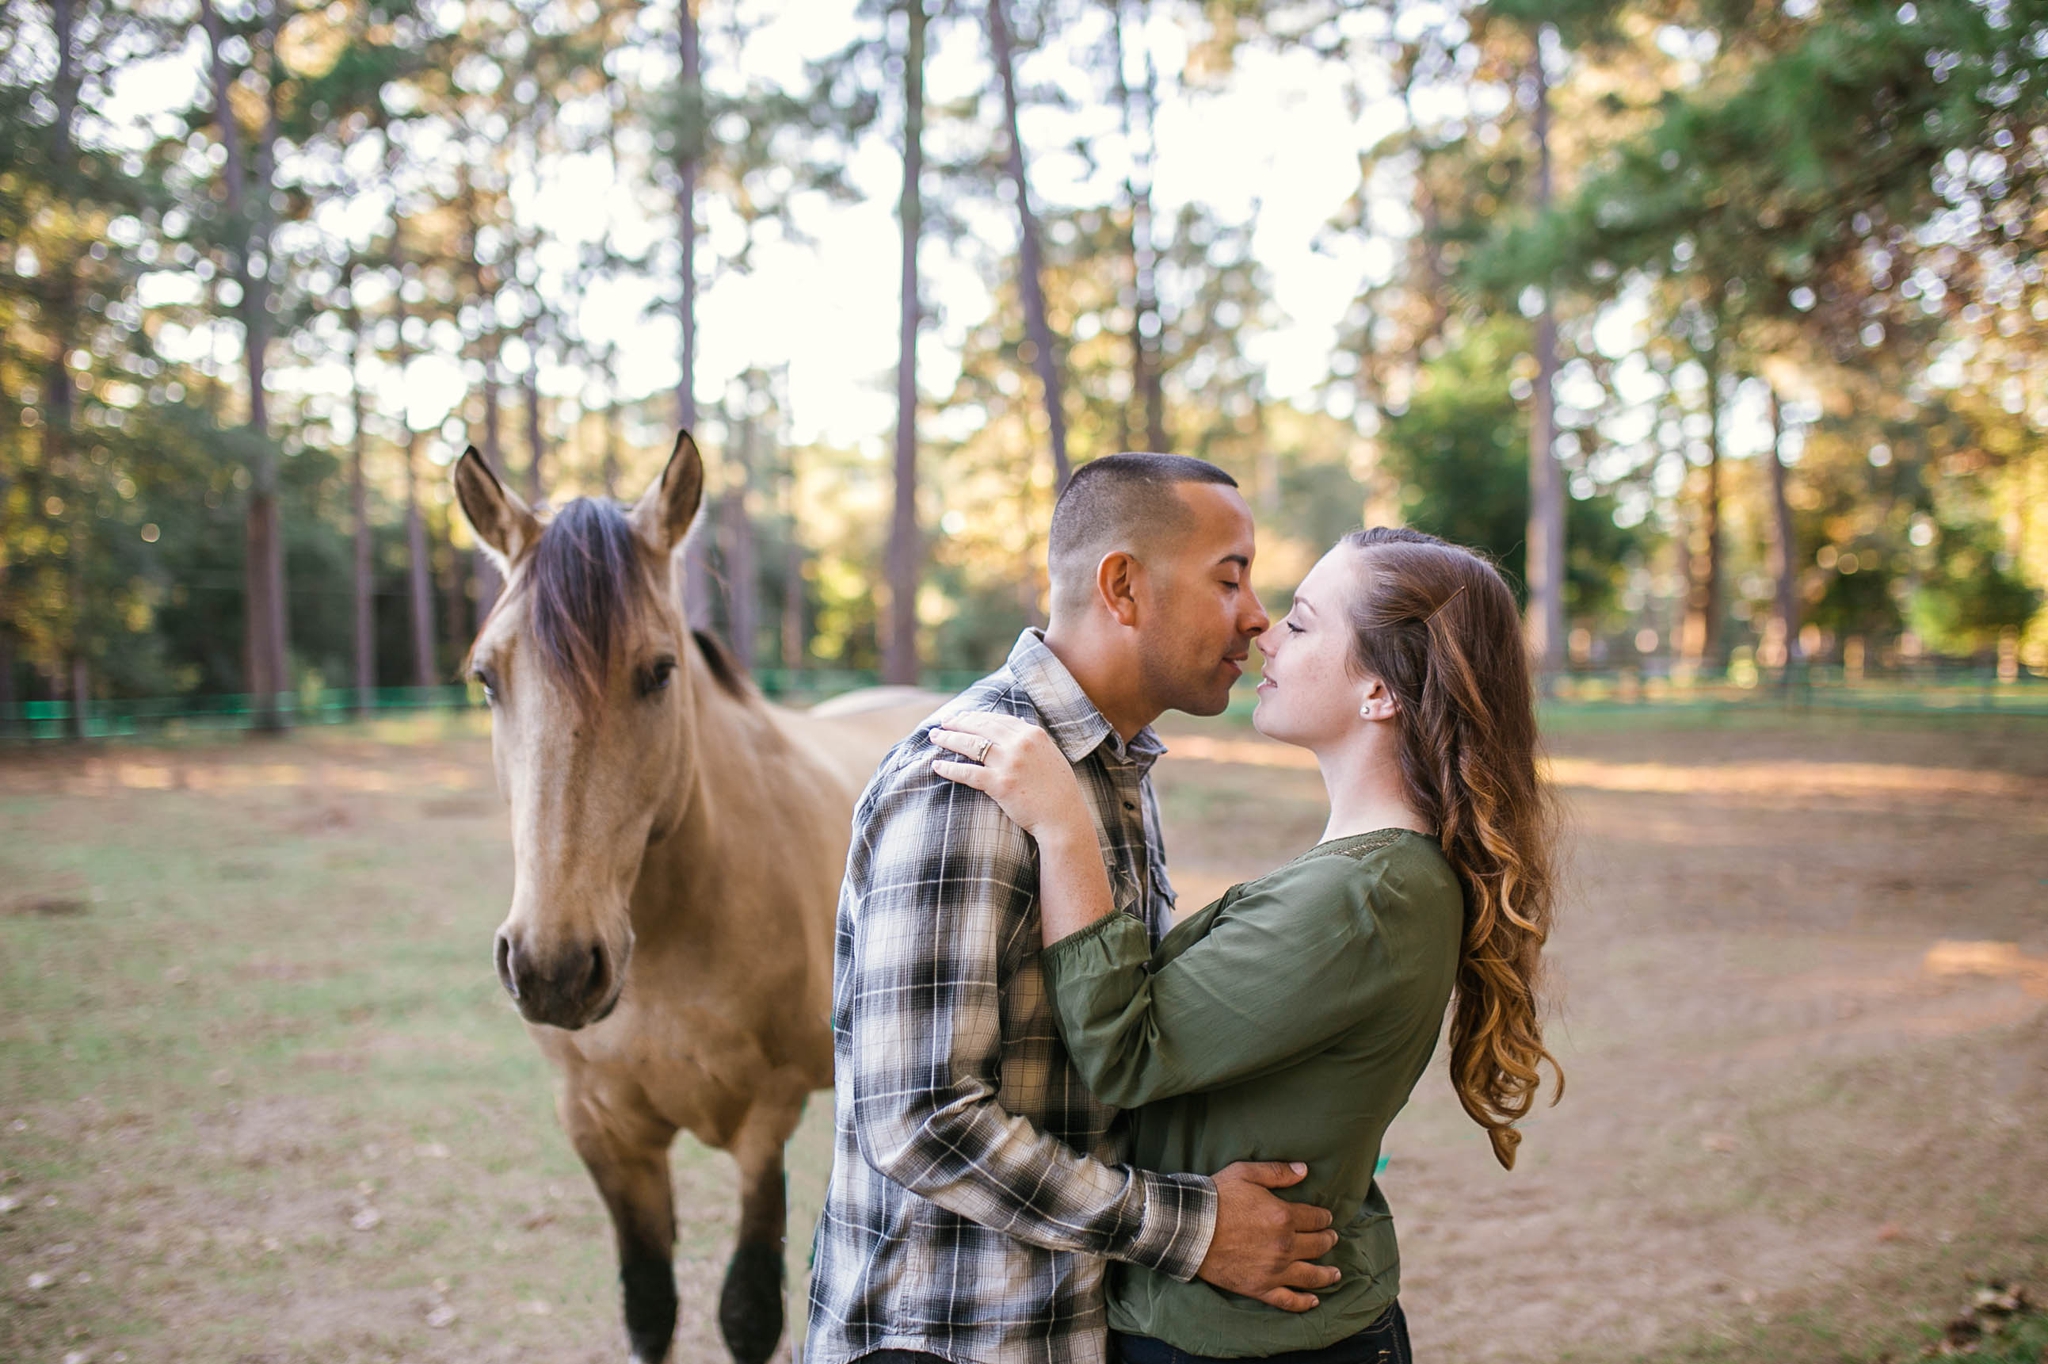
(1263, 1244)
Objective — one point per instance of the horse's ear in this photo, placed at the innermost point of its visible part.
(504, 525)
(663, 514)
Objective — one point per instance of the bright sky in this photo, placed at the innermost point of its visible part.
(1275, 139)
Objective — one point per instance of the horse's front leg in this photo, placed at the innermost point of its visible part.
(627, 1156)
(750, 1305)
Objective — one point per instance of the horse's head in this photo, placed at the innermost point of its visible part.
(583, 660)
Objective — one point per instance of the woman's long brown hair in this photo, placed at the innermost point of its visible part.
(1437, 624)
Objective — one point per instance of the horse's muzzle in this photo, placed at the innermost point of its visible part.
(571, 987)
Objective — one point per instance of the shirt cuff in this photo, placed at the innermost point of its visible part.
(1109, 923)
(1178, 1223)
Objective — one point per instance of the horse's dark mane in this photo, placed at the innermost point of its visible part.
(586, 593)
(587, 597)
(725, 669)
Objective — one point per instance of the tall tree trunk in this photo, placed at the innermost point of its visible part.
(8, 700)
(608, 465)
(698, 594)
(1148, 364)
(1714, 648)
(1703, 628)
(1784, 546)
(1030, 267)
(263, 570)
(80, 668)
(1545, 621)
(535, 451)
(1680, 625)
(899, 644)
(59, 402)
(81, 697)
(418, 571)
(454, 600)
(363, 577)
(793, 602)
(793, 632)
(483, 568)
(1140, 106)
(64, 88)
(608, 357)
(736, 547)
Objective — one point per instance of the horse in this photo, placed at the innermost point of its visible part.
(677, 848)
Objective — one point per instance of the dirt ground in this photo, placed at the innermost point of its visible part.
(260, 1100)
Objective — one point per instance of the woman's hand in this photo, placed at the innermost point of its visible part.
(1019, 766)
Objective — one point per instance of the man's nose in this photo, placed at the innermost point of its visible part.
(1255, 620)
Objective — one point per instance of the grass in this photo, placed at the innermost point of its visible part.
(261, 1099)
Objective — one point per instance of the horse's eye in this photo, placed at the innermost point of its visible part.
(658, 676)
(486, 679)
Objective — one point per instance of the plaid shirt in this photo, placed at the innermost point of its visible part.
(976, 1189)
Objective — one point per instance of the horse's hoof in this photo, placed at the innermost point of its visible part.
(650, 1292)
(750, 1307)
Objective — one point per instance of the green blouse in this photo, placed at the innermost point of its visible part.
(1287, 1021)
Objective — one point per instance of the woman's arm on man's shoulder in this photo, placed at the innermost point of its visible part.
(1289, 964)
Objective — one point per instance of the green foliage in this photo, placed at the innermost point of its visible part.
(1973, 596)
(1779, 176)
(153, 538)
(1849, 200)
(1895, 531)
(1461, 455)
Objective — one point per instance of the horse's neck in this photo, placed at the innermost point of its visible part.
(719, 730)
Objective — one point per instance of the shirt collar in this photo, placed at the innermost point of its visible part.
(1070, 717)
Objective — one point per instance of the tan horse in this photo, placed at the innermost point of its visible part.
(677, 849)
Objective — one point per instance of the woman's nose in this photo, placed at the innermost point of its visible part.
(1263, 642)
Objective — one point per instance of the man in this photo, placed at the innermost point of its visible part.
(976, 1193)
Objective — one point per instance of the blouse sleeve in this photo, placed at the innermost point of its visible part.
(1291, 963)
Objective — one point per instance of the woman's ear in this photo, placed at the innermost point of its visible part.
(1377, 701)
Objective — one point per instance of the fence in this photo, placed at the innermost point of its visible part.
(1956, 692)
(175, 716)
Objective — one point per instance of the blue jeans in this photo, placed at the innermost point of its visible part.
(1383, 1342)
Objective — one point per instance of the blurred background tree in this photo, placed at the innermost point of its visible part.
(1736, 314)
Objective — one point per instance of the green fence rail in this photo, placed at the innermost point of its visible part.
(174, 715)
(1976, 692)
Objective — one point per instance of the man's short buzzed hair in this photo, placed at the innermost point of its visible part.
(1119, 502)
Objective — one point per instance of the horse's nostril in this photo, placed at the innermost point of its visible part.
(503, 956)
(599, 977)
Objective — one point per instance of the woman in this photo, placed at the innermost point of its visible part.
(1291, 1019)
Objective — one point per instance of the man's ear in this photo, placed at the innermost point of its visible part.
(504, 525)
(1119, 579)
(663, 514)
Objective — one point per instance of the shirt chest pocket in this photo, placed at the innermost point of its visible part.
(1126, 889)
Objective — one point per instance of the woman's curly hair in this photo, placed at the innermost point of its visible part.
(1439, 627)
